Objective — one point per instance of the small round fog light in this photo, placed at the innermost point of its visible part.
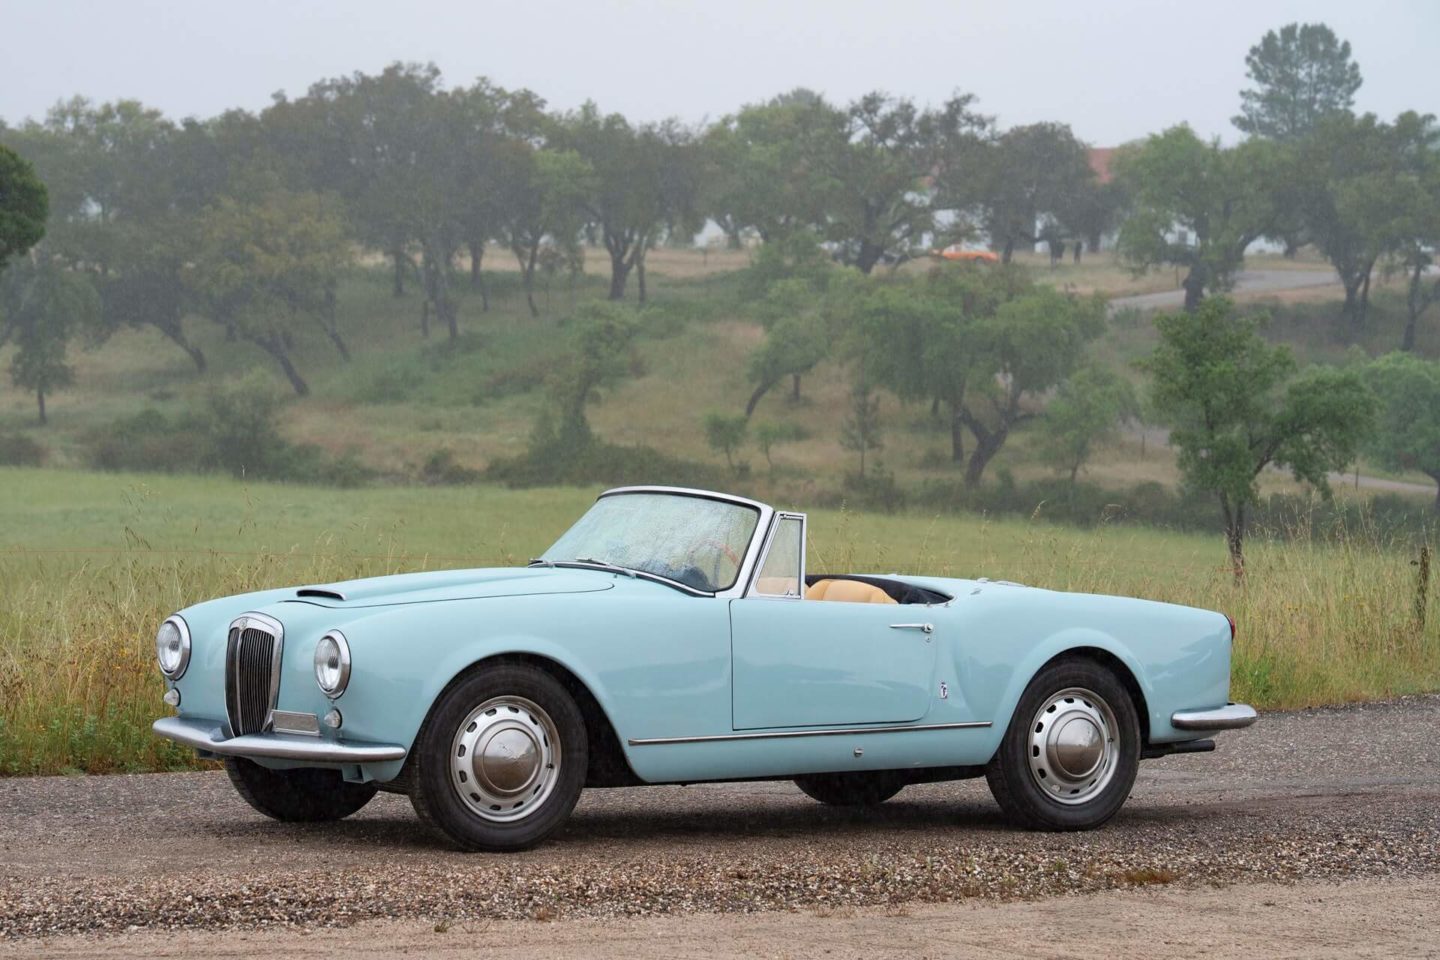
(333, 719)
(172, 696)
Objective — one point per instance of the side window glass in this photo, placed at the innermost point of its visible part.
(780, 573)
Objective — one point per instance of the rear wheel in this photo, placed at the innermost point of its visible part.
(1071, 752)
(501, 759)
(297, 796)
(860, 789)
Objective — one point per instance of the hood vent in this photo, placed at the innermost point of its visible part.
(320, 592)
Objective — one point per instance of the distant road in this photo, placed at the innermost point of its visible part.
(1248, 281)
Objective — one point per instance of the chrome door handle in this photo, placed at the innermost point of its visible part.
(922, 627)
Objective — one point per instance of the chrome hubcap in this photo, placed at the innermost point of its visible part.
(505, 758)
(1073, 746)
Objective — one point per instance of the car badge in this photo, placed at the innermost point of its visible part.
(944, 691)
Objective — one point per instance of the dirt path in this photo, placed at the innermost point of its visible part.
(1336, 795)
(1308, 921)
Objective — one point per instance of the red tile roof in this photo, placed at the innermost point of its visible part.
(1100, 162)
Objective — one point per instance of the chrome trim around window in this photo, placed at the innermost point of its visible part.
(205, 736)
(1232, 716)
(827, 732)
(775, 522)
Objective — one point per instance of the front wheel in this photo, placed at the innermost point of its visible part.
(297, 796)
(858, 789)
(1071, 752)
(501, 759)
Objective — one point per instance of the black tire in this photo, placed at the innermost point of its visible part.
(297, 796)
(1016, 782)
(851, 789)
(531, 696)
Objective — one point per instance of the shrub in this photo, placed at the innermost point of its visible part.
(441, 469)
(18, 450)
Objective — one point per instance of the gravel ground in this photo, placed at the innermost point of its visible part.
(1333, 794)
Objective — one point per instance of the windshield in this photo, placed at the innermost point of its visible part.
(692, 540)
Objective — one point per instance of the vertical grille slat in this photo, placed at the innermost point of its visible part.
(252, 663)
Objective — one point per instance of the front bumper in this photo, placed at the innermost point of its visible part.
(208, 737)
(1232, 716)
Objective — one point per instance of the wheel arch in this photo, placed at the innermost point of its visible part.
(608, 766)
(1092, 645)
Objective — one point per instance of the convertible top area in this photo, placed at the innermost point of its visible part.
(840, 586)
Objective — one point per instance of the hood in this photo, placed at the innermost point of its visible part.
(451, 585)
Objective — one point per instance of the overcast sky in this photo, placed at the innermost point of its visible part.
(1113, 69)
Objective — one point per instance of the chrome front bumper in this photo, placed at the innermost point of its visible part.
(1232, 716)
(206, 736)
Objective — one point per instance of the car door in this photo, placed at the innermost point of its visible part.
(802, 663)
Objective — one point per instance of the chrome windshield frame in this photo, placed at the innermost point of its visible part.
(748, 563)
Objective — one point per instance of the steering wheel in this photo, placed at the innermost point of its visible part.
(721, 549)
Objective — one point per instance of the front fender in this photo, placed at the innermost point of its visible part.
(1073, 640)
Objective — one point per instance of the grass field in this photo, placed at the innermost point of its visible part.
(90, 563)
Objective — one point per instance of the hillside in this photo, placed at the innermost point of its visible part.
(403, 398)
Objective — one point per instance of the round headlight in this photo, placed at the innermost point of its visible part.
(332, 664)
(172, 648)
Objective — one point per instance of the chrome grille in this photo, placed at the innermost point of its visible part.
(252, 672)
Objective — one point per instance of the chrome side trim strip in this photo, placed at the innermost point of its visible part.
(788, 734)
(1230, 717)
(202, 736)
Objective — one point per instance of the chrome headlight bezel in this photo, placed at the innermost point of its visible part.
(332, 659)
(183, 629)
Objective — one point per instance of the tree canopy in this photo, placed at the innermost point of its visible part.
(1407, 434)
(1197, 206)
(1302, 74)
(1235, 406)
(24, 205)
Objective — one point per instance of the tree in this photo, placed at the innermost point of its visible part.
(368, 141)
(726, 434)
(1027, 346)
(1407, 434)
(645, 181)
(884, 175)
(24, 205)
(860, 431)
(1037, 179)
(1235, 406)
(1087, 411)
(264, 267)
(761, 170)
(770, 435)
(600, 353)
(543, 192)
(42, 307)
(1301, 74)
(1197, 206)
(1366, 189)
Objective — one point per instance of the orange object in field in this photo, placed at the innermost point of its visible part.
(956, 253)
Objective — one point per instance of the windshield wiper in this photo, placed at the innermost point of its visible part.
(607, 565)
(585, 562)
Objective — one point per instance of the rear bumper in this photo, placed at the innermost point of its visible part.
(1232, 716)
(211, 739)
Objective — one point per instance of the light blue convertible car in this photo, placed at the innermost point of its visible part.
(676, 636)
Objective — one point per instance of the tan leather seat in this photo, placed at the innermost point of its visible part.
(847, 591)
